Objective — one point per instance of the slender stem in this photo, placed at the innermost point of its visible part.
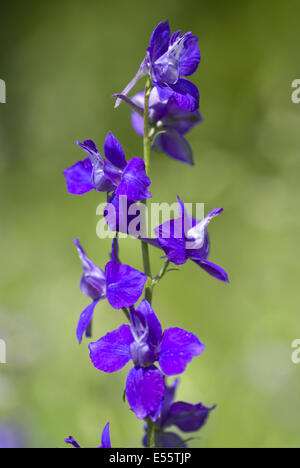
(161, 273)
(150, 433)
(145, 246)
(147, 149)
(127, 315)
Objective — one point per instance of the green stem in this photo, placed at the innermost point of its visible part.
(147, 150)
(145, 246)
(150, 433)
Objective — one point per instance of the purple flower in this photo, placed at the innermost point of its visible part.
(144, 343)
(105, 439)
(12, 436)
(120, 284)
(185, 416)
(168, 58)
(170, 123)
(112, 174)
(186, 238)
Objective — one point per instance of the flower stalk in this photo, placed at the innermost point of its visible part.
(147, 150)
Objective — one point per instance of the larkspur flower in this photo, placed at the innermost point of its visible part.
(168, 58)
(144, 342)
(169, 122)
(12, 436)
(186, 238)
(105, 439)
(120, 284)
(111, 175)
(185, 416)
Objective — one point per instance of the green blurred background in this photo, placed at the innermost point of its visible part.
(62, 61)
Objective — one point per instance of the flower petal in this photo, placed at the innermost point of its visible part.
(144, 390)
(85, 319)
(70, 440)
(190, 56)
(184, 92)
(214, 270)
(124, 284)
(114, 152)
(159, 41)
(177, 349)
(153, 324)
(105, 438)
(171, 240)
(134, 181)
(187, 417)
(112, 351)
(79, 177)
(175, 146)
(93, 281)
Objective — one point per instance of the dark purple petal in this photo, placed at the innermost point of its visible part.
(114, 152)
(166, 440)
(153, 325)
(175, 146)
(184, 92)
(171, 240)
(105, 438)
(189, 57)
(177, 349)
(159, 41)
(187, 417)
(144, 390)
(175, 36)
(214, 270)
(79, 177)
(85, 319)
(124, 284)
(105, 177)
(90, 148)
(93, 281)
(134, 181)
(70, 440)
(112, 351)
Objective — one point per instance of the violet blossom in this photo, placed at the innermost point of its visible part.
(169, 57)
(169, 123)
(105, 439)
(144, 342)
(186, 238)
(184, 416)
(113, 174)
(120, 284)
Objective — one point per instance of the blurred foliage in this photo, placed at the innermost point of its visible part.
(62, 61)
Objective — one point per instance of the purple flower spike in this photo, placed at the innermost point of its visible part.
(120, 284)
(105, 439)
(110, 175)
(170, 123)
(186, 238)
(185, 416)
(168, 58)
(144, 343)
